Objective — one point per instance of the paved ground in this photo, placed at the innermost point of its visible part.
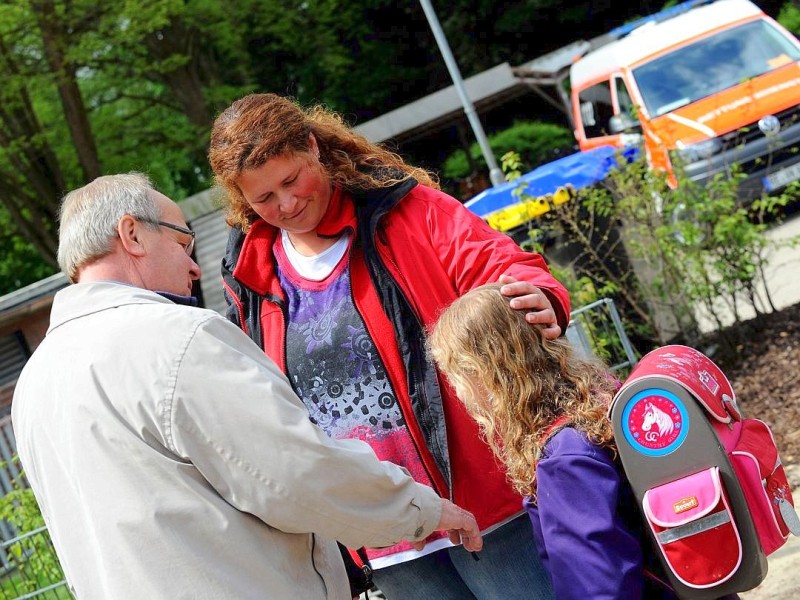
(782, 272)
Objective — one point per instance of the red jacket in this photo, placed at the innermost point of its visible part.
(416, 250)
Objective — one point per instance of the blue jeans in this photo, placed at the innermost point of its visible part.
(508, 568)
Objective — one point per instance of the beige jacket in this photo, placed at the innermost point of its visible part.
(172, 459)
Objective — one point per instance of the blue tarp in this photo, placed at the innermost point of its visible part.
(578, 170)
(667, 13)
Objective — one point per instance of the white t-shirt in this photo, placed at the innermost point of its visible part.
(319, 266)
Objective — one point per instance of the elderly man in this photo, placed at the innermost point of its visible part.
(170, 457)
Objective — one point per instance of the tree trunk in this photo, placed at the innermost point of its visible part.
(53, 40)
(32, 182)
(186, 82)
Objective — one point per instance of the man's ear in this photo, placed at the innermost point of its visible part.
(129, 230)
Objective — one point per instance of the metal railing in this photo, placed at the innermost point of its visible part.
(11, 478)
(31, 569)
(596, 330)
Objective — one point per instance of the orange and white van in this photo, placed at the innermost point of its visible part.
(711, 84)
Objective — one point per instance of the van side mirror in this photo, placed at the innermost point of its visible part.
(623, 122)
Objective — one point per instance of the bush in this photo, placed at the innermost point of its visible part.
(695, 250)
(789, 17)
(535, 143)
(33, 556)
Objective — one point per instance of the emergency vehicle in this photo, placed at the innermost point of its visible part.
(707, 83)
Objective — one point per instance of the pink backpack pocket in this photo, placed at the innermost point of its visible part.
(694, 528)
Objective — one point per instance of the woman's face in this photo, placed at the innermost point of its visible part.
(291, 191)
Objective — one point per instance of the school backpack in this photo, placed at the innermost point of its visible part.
(710, 482)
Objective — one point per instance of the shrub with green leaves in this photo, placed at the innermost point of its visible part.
(535, 142)
(31, 552)
(789, 17)
(668, 256)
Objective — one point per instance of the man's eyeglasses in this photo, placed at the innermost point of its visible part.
(189, 248)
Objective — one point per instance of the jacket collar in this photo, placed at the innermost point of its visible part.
(341, 214)
(254, 267)
(83, 299)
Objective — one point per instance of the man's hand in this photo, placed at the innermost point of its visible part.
(460, 525)
(529, 297)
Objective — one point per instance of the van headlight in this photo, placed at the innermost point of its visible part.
(691, 153)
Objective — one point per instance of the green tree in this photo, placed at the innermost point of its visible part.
(20, 265)
(31, 172)
(484, 33)
(789, 17)
(92, 87)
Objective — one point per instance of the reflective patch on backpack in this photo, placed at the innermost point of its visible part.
(789, 515)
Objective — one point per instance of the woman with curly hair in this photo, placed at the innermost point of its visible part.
(340, 257)
(543, 410)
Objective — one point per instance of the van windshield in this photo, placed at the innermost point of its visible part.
(711, 65)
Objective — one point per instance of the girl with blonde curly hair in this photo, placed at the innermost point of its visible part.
(340, 257)
(543, 410)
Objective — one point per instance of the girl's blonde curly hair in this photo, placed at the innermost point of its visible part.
(259, 127)
(515, 383)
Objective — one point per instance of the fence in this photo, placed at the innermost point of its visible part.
(11, 476)
(29, 567)
(596, 329)
(32, 569)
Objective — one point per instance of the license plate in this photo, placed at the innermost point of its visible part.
(782, 178)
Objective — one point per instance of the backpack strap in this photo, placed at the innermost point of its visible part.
(557, 425)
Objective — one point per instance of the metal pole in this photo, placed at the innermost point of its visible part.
(495, 174)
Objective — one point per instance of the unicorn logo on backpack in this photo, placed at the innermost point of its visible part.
(662, 421)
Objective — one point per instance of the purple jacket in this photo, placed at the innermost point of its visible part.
(587, 527)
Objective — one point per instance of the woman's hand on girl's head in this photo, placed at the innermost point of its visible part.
(527, 296)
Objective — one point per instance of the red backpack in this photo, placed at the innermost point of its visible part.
(710, 482)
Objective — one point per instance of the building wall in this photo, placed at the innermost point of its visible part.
(204, 214)
(21, 335)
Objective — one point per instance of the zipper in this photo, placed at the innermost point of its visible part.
(239, 308)
(380, 245)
